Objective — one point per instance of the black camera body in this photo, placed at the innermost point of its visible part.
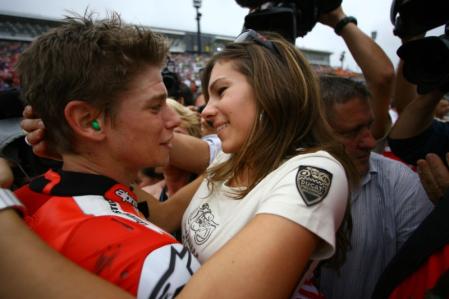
(426, 60)
(290, 18)
(414, 17)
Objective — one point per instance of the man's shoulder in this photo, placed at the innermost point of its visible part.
(391, 175)
(382, 163)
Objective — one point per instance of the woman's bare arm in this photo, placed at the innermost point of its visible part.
(168, 214)
(265, 260)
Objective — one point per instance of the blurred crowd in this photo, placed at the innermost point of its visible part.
(9, 54)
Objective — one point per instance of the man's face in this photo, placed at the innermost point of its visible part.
(352, 122)
(142, 131)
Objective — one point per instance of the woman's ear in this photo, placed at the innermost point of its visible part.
(84, 119)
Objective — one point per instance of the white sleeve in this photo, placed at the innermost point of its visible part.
(312, 192)
(214, 146)
(165, 271)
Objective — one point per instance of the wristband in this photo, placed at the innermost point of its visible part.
(9, 200)
(343, 22)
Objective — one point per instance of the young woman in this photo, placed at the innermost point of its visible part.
(269, 206)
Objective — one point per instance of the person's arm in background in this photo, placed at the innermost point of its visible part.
(417, 116)
(376, 67)
(31, 269)
(404, 91)
(416, 133)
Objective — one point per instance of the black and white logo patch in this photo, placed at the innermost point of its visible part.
(313, 183)
(201, 222)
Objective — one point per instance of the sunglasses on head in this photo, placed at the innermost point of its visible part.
(251, 35)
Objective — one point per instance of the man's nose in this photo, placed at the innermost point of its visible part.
(171, 118)
(367, 140)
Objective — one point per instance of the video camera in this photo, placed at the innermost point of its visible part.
(290, 18)
(426, 60)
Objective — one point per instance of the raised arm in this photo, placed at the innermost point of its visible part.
(416, 134)
(376, 67)
(416, 116)
(404, 91)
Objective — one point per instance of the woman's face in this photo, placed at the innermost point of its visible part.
(231, 107)
(140, 134)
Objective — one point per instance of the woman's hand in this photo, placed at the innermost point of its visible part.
(35, 129)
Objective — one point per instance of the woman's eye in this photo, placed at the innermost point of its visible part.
(221, 90)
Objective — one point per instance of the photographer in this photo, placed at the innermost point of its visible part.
(421, 267)
(417, 137)
(422, 78)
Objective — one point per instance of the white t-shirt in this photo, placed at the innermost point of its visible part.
(309, 189)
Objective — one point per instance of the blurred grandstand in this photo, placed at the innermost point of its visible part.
(18, 30)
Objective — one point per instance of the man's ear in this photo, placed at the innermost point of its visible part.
(85, 120)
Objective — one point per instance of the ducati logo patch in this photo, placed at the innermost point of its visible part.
(313, 183)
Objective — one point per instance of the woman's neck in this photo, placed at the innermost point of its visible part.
(242, 179)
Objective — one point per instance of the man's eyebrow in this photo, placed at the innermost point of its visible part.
(160, 96)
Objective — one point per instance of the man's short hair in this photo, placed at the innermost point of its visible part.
(86, 60)
(339, 90)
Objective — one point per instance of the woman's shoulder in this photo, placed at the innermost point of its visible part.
(317, 157)
(319, 162)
